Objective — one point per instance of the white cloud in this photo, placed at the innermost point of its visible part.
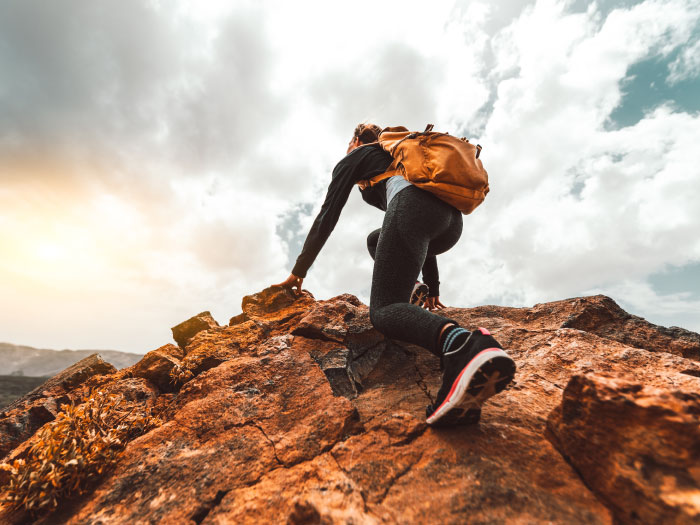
(635, 211)
(686, 65)
(145, 174)
(539, 236)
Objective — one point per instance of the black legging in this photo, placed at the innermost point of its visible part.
(416, 224)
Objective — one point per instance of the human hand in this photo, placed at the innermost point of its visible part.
(433, 303)
(291, 282)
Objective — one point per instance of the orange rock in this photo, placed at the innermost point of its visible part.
(156, 366)
(139, 392)
(212, 347)
(339, 336)
(318, 491)
(186, 330)
(26, 415)
(276, 304)
(300, 412)
(636, 446)
(231, 425)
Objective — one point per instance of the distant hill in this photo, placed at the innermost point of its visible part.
(12, 387)
(18, 360)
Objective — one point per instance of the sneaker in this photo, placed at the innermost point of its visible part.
(419, 293)
(472, 373)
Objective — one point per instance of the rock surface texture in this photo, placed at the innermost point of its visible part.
(299, 412)
(634, 443)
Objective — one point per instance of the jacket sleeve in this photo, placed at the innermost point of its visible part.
(336, 197)
(431, 276)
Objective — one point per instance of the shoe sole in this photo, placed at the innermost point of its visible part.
(459, 416)
(487, 374)
(418, 297)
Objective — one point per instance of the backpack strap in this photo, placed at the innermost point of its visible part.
(364, 184)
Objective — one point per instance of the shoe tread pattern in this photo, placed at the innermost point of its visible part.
(491, 378)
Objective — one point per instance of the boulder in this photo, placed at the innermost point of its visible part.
(276, 304)
(602, 316)
(159, 367)
(338, 334)
(636, 446)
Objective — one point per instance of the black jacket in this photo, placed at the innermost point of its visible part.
(361, 163)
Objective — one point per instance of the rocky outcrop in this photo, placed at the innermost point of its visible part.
(299, 412)
(600, 315)
(636, 446)
(341, 340)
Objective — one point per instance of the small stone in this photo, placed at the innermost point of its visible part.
(186, 330)
(156, 366)
(238, 319)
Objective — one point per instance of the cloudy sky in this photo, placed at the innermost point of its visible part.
(158, 159)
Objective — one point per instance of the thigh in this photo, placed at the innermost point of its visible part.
(449, 237)
(413, 221)
(400, 254)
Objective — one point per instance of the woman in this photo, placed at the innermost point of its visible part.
(417, 226)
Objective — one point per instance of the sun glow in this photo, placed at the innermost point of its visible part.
(49, 251)
(53, 248)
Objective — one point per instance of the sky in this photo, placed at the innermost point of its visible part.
(159, 159)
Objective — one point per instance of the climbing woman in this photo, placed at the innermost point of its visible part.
(417, 226)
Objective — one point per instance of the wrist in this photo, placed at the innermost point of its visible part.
(298, 272)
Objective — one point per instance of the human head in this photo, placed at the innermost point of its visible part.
(364, 134)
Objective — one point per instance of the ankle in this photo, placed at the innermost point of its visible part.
(443, 334)
(453, 337)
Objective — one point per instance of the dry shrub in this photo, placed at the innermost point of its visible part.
(179, 375)
(73, 450)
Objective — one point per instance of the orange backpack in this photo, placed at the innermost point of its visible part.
(437, 162)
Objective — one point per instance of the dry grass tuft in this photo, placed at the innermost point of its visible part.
(72, 451)
(179, 375)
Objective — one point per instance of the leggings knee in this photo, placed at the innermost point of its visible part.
(375, 318)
